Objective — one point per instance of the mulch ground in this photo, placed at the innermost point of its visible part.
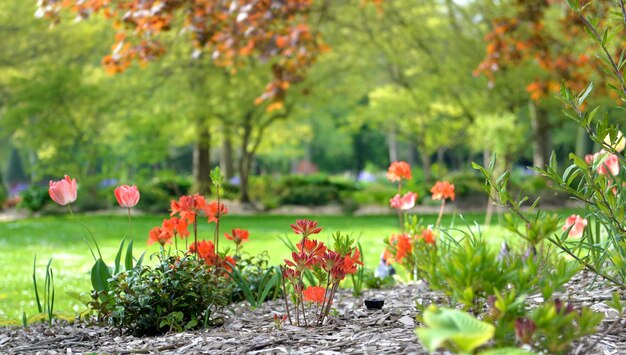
(351, 330)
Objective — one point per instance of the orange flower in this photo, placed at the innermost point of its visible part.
(176, 226)
(428, 236)
(401, 243)
(158, 235)
(351, 262)
(442, 190)
(399, 170)
(239, 236)
(314, 294)
(205, 250)
(188, 207)
(215, 211)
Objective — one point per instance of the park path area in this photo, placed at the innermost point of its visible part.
(351, 330)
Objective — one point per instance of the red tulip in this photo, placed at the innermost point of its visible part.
(127, 196)
(63, 191)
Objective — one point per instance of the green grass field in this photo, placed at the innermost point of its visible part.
(61, 238)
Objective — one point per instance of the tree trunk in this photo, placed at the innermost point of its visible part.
(412, 154)
(426, 165)
(393, 145)
(226, 155)
(245, 160)
(440, 156)
(540, 134)
(202, 159)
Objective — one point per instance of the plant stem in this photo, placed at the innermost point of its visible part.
(130, 225)
(217, 223)
(285, 295)
(69, 206)
(443, 204)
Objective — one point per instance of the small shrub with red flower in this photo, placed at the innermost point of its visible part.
(193, 278)
(414, 244)
(326, 268)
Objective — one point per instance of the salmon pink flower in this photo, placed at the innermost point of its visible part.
(158, 235)
(63, 191)
(442, 190)
(238, 236)
(405, 202)
(127, 196)
(608, 164)
(314, 294)
(399, 170)
(577, 225)
(428, 236)
(305, 227)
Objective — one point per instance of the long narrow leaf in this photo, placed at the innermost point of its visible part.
(129, 256)
(35, 285)
(118, 257)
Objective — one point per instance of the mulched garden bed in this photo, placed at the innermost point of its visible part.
(351, 330)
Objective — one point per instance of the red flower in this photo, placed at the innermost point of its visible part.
(399, 170)
(577, 225)
(239, 236)
(215, 211)
(127, 196)
(351, 262)
(314, 294)
(158, 235)
(187, 207)
(428, 236)
(405, 202)
(205, 250)
(443, 190)
(63, 191)
(401, 245)
(312, 248)
(305, 227)
(176, 226)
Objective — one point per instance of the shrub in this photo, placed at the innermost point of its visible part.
(34, 198)
(177, 294)
(3, 195)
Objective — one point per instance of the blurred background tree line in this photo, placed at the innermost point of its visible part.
(438, 83)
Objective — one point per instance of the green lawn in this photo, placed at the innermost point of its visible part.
(60, 237)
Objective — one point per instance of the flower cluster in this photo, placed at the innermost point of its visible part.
(413, 240)
(330, 266)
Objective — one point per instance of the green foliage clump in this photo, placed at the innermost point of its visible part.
(177, 294)
(34, 198)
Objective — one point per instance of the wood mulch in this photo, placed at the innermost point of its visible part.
(352, 330)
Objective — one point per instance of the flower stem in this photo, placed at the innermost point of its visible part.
(285, 295)
(130, 225)
(69, 206)
(443, 204)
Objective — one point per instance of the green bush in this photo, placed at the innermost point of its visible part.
(3, 195)
(177, 294)
(34, 198)
(467, 184)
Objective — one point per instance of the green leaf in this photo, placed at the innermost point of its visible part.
(100, 275)
(128, 262)
(457, 327)
(118, 257)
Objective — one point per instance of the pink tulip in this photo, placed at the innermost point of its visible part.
(127, 196)
(63, 191)
(405, 202)
(609, 163)
(577, 225)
